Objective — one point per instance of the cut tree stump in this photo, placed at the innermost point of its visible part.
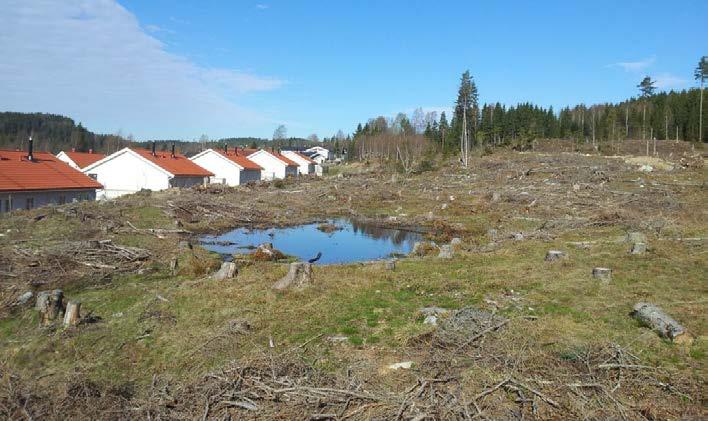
(663, 324)
(50, 305)
(445, 252)
(174, 266)
(72, 315)
(391, 264)
(299, 276)
(603, 274)
(553, 255)
(638, 248)
(228, 270)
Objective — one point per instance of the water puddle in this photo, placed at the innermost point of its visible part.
(339, 241)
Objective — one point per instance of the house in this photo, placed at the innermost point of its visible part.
(131, 169)
(31, 179)
(318, 158)
(229, 167)
(319, 150)
(274, 164)
(80, 160)
(305, 164)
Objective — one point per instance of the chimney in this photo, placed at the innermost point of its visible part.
(236, 151)
(226, 148)
(29, 149)
(153, 149)
(173, 150)
(90, 150)
(73, 149)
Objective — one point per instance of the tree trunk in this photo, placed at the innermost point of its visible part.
(50, 305)
(700, 115)
(663, 324)
(72, 315)
(603, 274)
(299, 276)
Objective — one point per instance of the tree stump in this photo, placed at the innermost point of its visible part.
(174, 266)
(228, 270)
(603, 274)
(50, 305)
(655, 318)
(553, 255)
(638, 248)
(445, 252)
(72, 315)
(391, 264)
(299, 276)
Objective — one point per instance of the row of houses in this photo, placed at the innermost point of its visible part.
(30, 179)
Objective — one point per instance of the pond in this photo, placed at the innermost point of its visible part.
(345, 241)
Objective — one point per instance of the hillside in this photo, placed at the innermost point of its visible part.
(515, 335)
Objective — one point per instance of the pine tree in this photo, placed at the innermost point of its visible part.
(701, 74)
(646, 88)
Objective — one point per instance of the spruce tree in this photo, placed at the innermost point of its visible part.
(701, 74)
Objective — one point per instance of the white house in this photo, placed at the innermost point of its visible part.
(31, 179)
(319, 159)
(229, 167)
(80, 160)
(130, 170)
(274, 164)
(305, 164)
(323, 152)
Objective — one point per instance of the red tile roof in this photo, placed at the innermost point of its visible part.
(240, 159)
(179, 165)
(288, 162)
(44, 172)
(84, 159)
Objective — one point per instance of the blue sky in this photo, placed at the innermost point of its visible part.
(168, 69)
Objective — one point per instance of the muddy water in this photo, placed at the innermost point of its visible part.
(351, 242)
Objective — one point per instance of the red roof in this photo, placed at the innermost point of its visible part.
(44, 172)
(84, 159)
(178, 165)
(288, 162)
(240, 159)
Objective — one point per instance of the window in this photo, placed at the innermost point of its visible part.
(29, 203)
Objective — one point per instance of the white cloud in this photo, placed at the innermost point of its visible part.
(262, 6)
(91, 60)
(669, 81)
(635, 66)
(158, 29)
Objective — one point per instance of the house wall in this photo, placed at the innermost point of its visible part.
(64, 157)
(272, 166)
(127, 174)
(304, 166)
(186, 181)
(249, 176)
(18, 200)
(224, 171)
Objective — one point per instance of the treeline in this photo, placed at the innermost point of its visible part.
(671, 115)
(53, 133)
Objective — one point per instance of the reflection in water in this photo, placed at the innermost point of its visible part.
(356, 241)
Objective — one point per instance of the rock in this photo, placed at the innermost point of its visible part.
(646, 168)
(299, 276)
(445, 252)
(456, 242)
(655, 318)
(638, 248)
(423, 248)
(636, 237)
(553, 255)
(603, 274)
(517, 236)
(228, 270)
(24, 298)
(338, 338)
(443, 206)
(433, 311)
(265, 253)
(402, 365)
(391, 264)
(431, 320)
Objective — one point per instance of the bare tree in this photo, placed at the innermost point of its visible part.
(313, 137)
(418, 120)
